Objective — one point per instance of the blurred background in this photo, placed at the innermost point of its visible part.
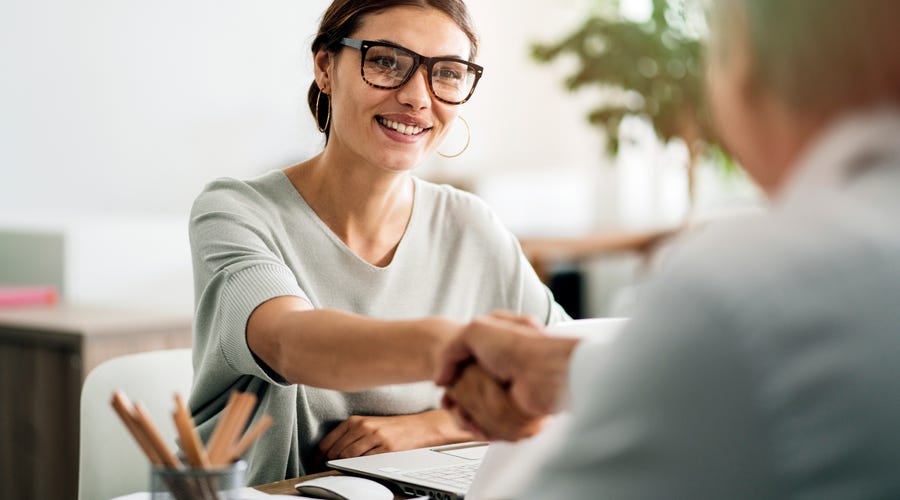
(116, 113)
(588, 140)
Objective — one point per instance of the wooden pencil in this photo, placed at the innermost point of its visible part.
(146, 422)
(215, 443)
(124, 409)
(252, 435)
(190, 439)
(233, 427)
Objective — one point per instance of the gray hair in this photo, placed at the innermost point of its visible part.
(816, 56)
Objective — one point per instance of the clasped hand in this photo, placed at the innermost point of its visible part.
(504, 376)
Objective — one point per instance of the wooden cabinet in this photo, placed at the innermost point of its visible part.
(45, 354)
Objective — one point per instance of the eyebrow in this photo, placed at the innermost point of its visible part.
(455, 56)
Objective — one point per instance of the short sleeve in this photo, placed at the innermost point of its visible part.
(237, 267)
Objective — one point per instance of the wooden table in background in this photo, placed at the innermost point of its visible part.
(543, 253)
(45, 354)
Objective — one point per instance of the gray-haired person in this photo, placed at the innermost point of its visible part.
(764, 361)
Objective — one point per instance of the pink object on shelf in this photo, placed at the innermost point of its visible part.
(27, 295)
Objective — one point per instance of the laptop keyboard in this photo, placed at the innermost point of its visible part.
(457, 475)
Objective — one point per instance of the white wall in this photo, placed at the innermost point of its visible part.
(127, 105)
(131, 106)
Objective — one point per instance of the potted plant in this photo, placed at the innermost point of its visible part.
(649, 68)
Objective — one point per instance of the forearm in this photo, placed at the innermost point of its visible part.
(343, 351)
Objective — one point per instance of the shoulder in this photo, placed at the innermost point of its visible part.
(746, 252)
(449, 198)
(756, 277)
(454, 208)
(241, 197)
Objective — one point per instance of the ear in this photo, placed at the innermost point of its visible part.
(323, 66)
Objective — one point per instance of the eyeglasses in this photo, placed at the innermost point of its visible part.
(388, 66)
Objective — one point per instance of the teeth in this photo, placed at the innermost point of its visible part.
(400, 127)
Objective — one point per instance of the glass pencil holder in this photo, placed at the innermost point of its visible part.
(224, 483)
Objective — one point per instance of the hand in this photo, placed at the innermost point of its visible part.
(359, 435)
(481, 404)
(514, 351)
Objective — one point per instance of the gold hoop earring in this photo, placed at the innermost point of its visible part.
(323, 128)
(468, 138)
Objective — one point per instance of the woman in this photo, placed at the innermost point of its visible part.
(322, 286)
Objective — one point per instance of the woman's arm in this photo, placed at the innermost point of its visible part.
(343, 351)
(369, 435)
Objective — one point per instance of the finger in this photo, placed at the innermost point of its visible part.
(535, 400)
(477, 338)
(447, 402)
(475, 342)
(488, 407)
(471, 397)
(359, 447)
(376, 451)
(352, 432)
(332, 437)
(456, 354)
(457, 413)
(467, 423)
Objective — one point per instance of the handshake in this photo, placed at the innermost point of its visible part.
(504, 375)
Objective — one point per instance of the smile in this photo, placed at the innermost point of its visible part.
(401, 127)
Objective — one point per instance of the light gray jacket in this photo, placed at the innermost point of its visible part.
(765, 359)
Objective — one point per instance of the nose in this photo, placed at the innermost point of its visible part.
(415, 92)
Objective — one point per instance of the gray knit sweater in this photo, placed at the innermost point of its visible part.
(255, 240)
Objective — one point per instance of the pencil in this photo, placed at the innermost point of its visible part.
(193, 447)
(232, 426)
(156, 441)
(252, 435)
(125, 411)
(215, 443)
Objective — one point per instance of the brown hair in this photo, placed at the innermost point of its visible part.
(343, 18)
(816, 56)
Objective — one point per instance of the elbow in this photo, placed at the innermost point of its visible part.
(265, 343)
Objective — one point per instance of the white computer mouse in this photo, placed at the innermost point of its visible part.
(344, 488)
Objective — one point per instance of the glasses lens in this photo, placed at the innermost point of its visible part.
(452, 80)
(387, 66)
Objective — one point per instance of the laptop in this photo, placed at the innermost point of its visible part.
(478, 470)
(441, 472)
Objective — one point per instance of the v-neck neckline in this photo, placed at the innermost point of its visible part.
(337, 241)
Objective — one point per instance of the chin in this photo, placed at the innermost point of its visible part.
(399, 165)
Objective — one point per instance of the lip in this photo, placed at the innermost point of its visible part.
(406, 120)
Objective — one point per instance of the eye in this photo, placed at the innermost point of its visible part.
(448, 74)
(383, 62)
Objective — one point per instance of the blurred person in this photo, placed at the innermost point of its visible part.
(764, 359)
(329, 287)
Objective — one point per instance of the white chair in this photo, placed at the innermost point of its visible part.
(110, 461)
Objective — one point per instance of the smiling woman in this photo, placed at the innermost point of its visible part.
(330, 287)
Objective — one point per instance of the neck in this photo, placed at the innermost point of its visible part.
(789, 137)
(366, 207)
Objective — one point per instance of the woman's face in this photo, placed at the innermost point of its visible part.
(365, 119)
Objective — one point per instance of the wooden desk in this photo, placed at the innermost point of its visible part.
(45, 354)
(286, 487)
(544, 252)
